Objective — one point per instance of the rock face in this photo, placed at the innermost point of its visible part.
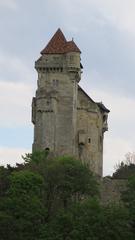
(66, 120)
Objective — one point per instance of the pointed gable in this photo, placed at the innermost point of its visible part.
(72, 47)
(88, 99)
(58, 44)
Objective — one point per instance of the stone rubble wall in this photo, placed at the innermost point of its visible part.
(111, 189)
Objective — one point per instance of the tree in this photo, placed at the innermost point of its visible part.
(128, 197)
(66, 180)
(125, 168)
(51, 198)
(4, 180)
(22, 210)
(90, 221)
(5, 173)
(36, 193)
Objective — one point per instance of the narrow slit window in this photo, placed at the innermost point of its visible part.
(55, 82)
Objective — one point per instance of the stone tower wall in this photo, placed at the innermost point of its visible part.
(90, 128)
(56, 103)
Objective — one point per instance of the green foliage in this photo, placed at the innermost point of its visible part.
(70, 179)
(125, 168)
(124, 171)
(66, 180)
(51, 198)
(129, 199)
(129, 194)
(4, 180)
(23, 207)
(37, 157)
(90, 221)
(25, 182)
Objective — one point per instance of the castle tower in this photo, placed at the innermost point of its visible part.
(66, 120)
(55, 106)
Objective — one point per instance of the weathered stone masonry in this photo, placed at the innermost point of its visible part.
(66, 120)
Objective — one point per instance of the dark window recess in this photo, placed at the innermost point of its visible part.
(89, 140)
(104, 118)
(71, 59)
(55, 82)
(47, 149)
(56, 59)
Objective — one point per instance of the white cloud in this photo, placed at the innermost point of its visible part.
(14, 69)
(119, 13)
(15, 104)
(16, 91)
(11, 4)
(115, 149)
(11, 155)
(121, 106)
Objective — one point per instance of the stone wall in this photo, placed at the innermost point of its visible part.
(90, 126)
(111, 189)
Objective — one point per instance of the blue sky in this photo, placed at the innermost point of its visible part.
(104, 31)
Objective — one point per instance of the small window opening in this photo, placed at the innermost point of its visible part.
(71, 59)
(55, 82)
(105, 118)
(47, 149)
(56, 58)
(89, 140)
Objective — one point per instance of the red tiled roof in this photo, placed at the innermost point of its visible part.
(72, 47)
(59, 44)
